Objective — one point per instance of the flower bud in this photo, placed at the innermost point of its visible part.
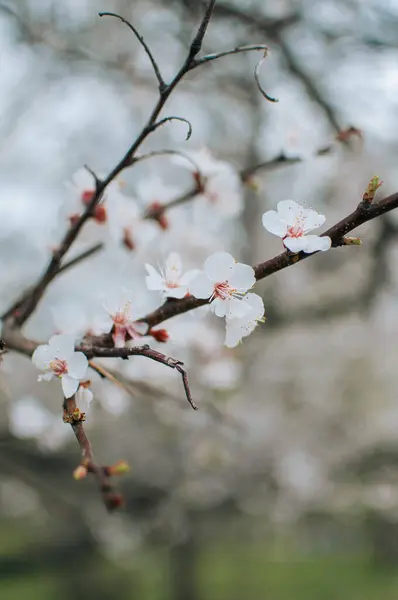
(87, 196)
(128, 240)
(371, 190)
(160, 335)
(80, 472)
(100, 214)
(119, 468)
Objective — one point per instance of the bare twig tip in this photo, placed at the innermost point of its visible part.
(257, 80)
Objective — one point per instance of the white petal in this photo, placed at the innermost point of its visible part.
(176, 292)
(274, 224)
(289, 210)
(218, 266)
(256, 306)
(242, 277)
(233, 335)
(312, 220)
(237, 308)
(42, 357)
(62, 346)
(154, 281)
(173, 265)
(189, 276)
(201, 286)
(69, 386)
(316, 243)
(296, 244)
(219, 307)
(77, 365)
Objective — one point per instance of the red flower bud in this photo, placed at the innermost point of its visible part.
(128, 239)
(100, 214)
(160, 335)
(87, 196)
(156, 211)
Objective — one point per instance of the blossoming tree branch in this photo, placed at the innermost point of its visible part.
(222, 285)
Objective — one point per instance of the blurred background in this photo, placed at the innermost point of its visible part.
(285, 483)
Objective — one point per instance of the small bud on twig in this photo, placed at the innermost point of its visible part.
(119, 468)
(371, 190)
(80, 472)
(352, 241)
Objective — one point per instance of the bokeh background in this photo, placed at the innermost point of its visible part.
(284, 484)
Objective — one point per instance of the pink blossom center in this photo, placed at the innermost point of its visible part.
(223, 291)
(59, 367)
(122, 317)
(297, 229)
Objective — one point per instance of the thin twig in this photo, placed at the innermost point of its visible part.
(167, 119)
(215, 55)
(81, 257)
(155, 65)
(148, 352)
(111, 498)
(257, 80)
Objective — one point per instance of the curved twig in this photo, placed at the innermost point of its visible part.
(167, 152)
(166, 119)
(215, 55)
(155, 65)
(257, 80)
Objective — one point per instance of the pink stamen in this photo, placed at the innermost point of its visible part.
(59, 367)
(223, 291)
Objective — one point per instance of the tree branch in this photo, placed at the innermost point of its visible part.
(283, 260)
(155, 65)
(95, 351)
(72, 415)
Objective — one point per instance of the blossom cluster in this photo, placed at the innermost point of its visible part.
(222, 283)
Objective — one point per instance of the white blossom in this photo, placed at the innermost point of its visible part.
(224, 282)
(222, 185)
(122, 321)
(171, 282)
(292, 222)
(59, 359)
(236, 329)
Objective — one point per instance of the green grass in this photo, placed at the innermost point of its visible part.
(237, 571)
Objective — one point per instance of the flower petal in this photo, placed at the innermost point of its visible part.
(42, 357)
(69, 386)
(296, 244)
(154, 281)
(316, 243)
(62, 346)
(233, 335)
(218, 266)
(219, 307)
(201, 286)
(312, 220)
(289, 210)
(189, 276)
(176, 292)
(237, 308)
(119, 337)
(173, 265)
(77, 365)
(274, 224)
(242, 277)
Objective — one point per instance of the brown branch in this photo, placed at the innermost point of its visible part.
(283, 260)
(28, 302)
(92, 351)
(155, 65)
(216, 55)
(72, 415)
